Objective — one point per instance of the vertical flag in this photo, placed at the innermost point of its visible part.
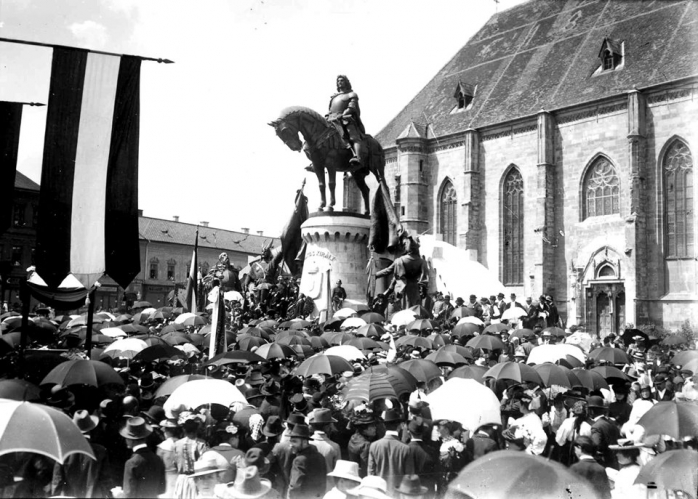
(88, 206)
(193, 280)
(218, 343)
(10, 120)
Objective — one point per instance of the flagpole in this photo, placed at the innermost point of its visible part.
(53, 45)
(33, 104)
(25, 296)
(90, 321)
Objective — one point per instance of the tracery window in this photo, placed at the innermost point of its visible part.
(678, 201)
(449, 213)
(512, 219)
(601, 190)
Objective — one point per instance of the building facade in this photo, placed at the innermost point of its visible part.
(556, 147)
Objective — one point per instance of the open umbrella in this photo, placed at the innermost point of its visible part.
(402, 318)
(496, 328)
(317, 342)
(304, 351)
(82, 321)
(364, 344)
(113, 332)
(423, 370)
(157, 352)
(591, 380)
(293, 340)
(323, 364)
(234, 357)
(353, 322)
(466, 401)
(345, 313)
(269, 323)
(554, 331)
(197, 320)
(551, 353)
(176, 338)
(465, 329)
(338, 338)
(673, 340)
(371, 331)
(514, 314)
(486, 342)
(126, 348)
(520, 475)
(522, 334)
(19, 389)
(347, 352)
(372, 317)
(151, 340)
(445, 358)
(628, 335)
(672, 470)
(470, 320)
(300, 324)
(254, 331)
(570, 362)
(684, 357)
(183, 317)
(291, 332)
(175, 382)
(552, 374)
(439, 340)
(611, 373)
(200, 392)
(521, 373)
(141, 304)
(676, 419)
(82, 372)
(476, 373)
(370, 386)
(464, 352)
(415, 341)
(421, 312)
(460, 312)
(421, 325)
(172, 328)
(28, 427)
(401, 380)
(276, 350)
(610, 354)
(246, 342)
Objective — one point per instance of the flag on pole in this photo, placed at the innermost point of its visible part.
(193, 280)
(10, 121)
(88, 206)
(218, 342)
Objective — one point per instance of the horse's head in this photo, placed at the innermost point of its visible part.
(288, 134)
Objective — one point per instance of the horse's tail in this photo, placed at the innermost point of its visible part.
(376, 158)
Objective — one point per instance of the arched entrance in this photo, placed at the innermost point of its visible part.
(604, 297)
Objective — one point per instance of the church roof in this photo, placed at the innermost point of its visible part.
(24, 182)
(543, 55)
(169, 231)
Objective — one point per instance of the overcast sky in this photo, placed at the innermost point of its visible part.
(206, 151)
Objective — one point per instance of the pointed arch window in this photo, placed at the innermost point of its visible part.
(601, 190)
(513, 218)
(449, 213)
(678, 201)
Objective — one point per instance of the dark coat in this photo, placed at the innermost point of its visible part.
(596, 474)
(479, 445)
(389, 458)
(82, 476)
(423, 461)
(144, 475)
(308, 475)
(605, 432)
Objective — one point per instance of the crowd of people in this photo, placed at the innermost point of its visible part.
(304, 436)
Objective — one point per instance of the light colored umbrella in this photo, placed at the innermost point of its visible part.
(552, 353)
(196, 393)
(512, 314)
(126, 348)
(345, 313)
(81, 320)
(183, 317)
(113, 332)
(353, 322)
(346, 352)
(466, 401)
(233, 296)
(470, 320)
(403, 318)
(672, 470)
(676, 419)
(188, 349)
(28, 427)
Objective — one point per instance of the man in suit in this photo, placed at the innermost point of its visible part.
(144, 473)
(308, 478)
(661, 393)
(604, 432)
(423, 457)
(588, 468)
(388, 457)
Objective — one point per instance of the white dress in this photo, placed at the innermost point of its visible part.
(623, 482)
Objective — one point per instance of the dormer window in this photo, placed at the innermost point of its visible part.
(611, 55)
(464, 96)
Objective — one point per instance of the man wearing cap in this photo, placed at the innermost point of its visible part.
(604, 432)
(308, 477)
(320, 422)
(144, 472)
(80, 475)
(346, 477)
(388, 457)
(281, 456)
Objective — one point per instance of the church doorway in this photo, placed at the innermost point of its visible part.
(606, 308)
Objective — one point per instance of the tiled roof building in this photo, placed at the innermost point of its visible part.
(556, 147)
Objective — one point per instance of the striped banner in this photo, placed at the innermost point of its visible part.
(193, 279)
(88, 207)
(10, 120)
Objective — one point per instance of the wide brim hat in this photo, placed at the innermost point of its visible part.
(255, 457)
(255, 379)
(84, 421)
(136, 429)
(300, 431)
(626, 444)
(168, 423)
(61, 398)
(248, 484)
(411, 486)
(273, 427)
(348, 470)
(270, 389)
(207, 467)
(321, 416)
(392, 415)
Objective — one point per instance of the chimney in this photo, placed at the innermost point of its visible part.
(175, 218)
(260, 232)
(140, 213)
(246, 230)
(203, 224)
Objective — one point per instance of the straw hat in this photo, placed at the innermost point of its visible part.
(371, 486)
(84, 421)
(206, 468)
(136, 429)
(346, 469)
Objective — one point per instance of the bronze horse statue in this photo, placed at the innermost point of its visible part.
(328, 150)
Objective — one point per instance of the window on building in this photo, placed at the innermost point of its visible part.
(153, 268)
(601, 190)
(678, 201)
(171, 270)
(611, 55)
(449, 213)
(19, 215)
(513, 223)
(396, 195)
(17, 256)
(464, 95)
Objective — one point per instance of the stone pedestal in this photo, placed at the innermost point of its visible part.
(336, 250)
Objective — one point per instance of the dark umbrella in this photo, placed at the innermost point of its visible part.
(444, 358)
(591, 380)
(175, 382)
(486, 342)
(464, 352)
(570, 362)
(234, 357)
(339, 338)
(173, 328)
(371, 331)
(291, 332)
(372, 317)
(176, 338)
(465, 329)
(304, 351)
(254, 331)
(610, 354)
(522, 334)
(421, 312)
(370, 386)
(414, 341)
(515, 371)
(611, 373)
(460, 312)
(469, 372)
(421, 325)
(82, 372)
(439, 339)
(422, 369)
(628, 335)
(19, 389)
(334, 324)
(673, 340)
(157, 352)
(152, 340)
(555, 331)
(275, 351)
(402, 380)
(323, 364)
(496, 328)
(293, 340)
(676, 419)
(287, 324)
(552, 374)
(364, 344)
(317, 343)
(245, 342)
(133, 329)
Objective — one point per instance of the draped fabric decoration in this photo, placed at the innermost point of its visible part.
(193, 279)
(10, 120)
(218, 343)
(88, 207)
